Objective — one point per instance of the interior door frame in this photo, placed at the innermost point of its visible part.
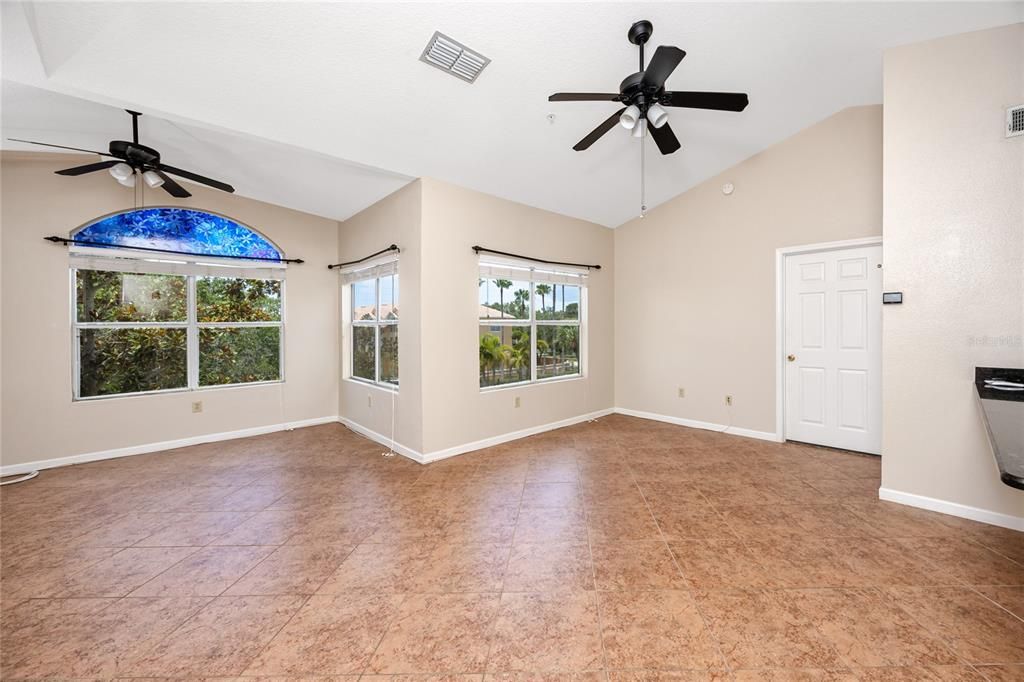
(780, 315)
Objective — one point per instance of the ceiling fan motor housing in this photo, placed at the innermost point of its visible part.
(632, 91)
(135, 154)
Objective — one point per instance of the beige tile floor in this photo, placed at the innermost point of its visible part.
(622, 550)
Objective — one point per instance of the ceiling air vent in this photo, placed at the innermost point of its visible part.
(453, 57)
(1015, 121)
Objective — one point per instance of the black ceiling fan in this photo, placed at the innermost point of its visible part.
(131, 158)
(644, 95)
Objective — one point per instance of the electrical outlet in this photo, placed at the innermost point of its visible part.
(728, 400)
(516, 402)
(197, 406)
(369, 400)
(682, 392)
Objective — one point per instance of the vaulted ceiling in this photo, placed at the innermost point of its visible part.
(325, 107)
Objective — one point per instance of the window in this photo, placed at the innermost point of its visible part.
(144, 324)
(374, 338)
(138, 333)
(239, 324)
(530, 324)
(132, 332)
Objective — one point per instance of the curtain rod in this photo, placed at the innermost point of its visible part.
(85, 242)
(393, 247)
(479, 249)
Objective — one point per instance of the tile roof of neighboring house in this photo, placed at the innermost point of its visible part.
(365, 312)
(494, 313)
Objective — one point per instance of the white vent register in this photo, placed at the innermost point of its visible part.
(1015, 121)
(453, 57)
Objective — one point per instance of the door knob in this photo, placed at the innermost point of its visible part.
(791, 357)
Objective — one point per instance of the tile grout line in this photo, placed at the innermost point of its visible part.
(593, 569)
(974, 588)
(508, 560)
(704, 620)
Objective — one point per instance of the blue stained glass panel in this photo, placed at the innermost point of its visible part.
(178, 229)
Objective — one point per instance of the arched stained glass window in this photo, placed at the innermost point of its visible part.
(183, 230)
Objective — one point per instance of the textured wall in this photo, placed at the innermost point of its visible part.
(954, 244)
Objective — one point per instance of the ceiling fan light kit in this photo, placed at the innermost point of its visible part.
(152, 179)
(645, 98)
(629, 117)
(657, 116)
(121, 171)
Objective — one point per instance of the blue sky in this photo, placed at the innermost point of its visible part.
(363, 293)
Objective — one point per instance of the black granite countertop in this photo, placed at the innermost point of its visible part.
(1004, 418)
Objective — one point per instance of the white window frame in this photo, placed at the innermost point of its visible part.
(376, 323)
(191, 325)
(533, 323)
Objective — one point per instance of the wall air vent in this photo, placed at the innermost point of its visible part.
(1015, 121)
(453, 57)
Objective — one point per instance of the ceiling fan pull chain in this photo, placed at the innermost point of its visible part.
(643, 179)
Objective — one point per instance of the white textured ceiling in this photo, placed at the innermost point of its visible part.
(343, 80)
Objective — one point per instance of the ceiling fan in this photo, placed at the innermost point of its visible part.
(645, 96)
(131, 158)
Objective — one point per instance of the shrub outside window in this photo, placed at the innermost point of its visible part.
(374, 326)
(529, 330)
(138, 332)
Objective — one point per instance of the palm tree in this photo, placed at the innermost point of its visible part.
(520, 359)
(567, 340)
(502, 284)
(492, 352)
(543, 290)
(522, 295)
(519, 356)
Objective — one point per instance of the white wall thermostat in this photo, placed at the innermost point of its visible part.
(728, 189)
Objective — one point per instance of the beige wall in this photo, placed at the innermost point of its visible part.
(954, 244)
(695, 278)
(392, 220)
(456, 411)
(41, 422)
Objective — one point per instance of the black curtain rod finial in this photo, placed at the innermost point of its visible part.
(393, 247)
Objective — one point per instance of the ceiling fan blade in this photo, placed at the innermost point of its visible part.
(88, 168)
(188, 175)
(584, 97)
(719, 101)
(600, 130)
(665, 60)
(664, 138)
(172, 187)
(60, 146)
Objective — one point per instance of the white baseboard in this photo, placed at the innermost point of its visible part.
(952, 508)
(437, 455)
(694, 424)
(513, 435)
(13, 469)
(414, 455)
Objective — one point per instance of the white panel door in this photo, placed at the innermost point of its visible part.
(833, 337)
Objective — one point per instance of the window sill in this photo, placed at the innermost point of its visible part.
(171, 391)
(391, 388)
(528, 384)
